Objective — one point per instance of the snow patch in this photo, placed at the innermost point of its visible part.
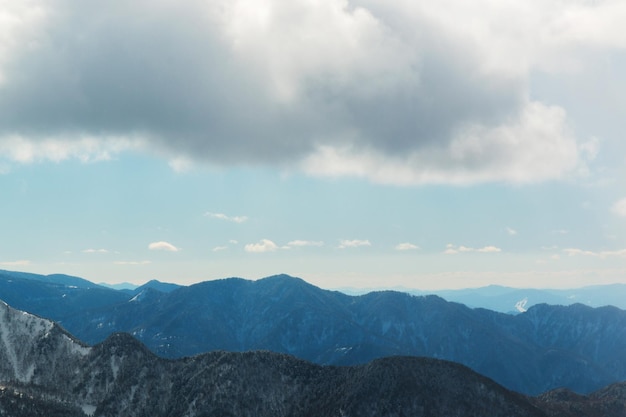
(115, 366)
(88, 409)
(521, 305)
(137, 298)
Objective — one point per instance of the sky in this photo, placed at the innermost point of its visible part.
(360, 144)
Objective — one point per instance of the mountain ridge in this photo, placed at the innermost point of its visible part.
(284, 314)
(120, 376)
(544, 348)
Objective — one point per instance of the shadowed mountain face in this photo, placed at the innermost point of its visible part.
(547, 347)
(58, 375)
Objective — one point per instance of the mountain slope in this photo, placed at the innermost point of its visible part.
(122, 377)
(608, 401)
(55, 296)
(547, 347)
(516, 300)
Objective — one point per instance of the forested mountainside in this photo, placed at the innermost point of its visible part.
(46, 370)
(547, 347)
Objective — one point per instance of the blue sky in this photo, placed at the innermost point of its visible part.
(351, 143)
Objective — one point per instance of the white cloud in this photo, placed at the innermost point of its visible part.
(355, 243)
(620, 253)
(84, 148)
(22, 262)
(450, 249)
(301, 243)
(453, 249)
(489, 249)
(166, 246)
(265, 245)
(511, 231)
(619, 208)
(132, 262)
(406, 246)
(220, 248)
(222, 216)
(95, 251)
(181, 164)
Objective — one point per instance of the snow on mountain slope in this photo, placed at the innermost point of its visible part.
(26, 345)
(521, 305)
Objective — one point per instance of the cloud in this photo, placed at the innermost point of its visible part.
(22, 262)
(163, 246)
(264, 245)
(453, 249)
(621, 253)
(406, 246)
(619, 208)
(301, 243)
(533, 148)
(95, 251)
(489, 249)
(355, 243)
(511, 231)
(87, 149)
(132, 262)
(393, 92)
(220, 248)
(222, 216)
(181, 164)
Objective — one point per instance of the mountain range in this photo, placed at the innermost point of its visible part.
(45, 371)
(547, 347)
(518, 300)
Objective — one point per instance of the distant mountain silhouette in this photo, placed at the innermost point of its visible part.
(55, 296)
(516, 300)
(157, 285)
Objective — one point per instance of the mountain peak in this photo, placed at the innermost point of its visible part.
(157, 285)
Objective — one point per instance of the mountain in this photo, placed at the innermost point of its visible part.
(575, 346)
(517, 300)
(608, 401)
(59, 279)
(157, 285)
(55, 296)
(123, 286)
(58, 375)
(546, 347)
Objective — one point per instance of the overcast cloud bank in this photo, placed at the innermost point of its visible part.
(399, 93)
